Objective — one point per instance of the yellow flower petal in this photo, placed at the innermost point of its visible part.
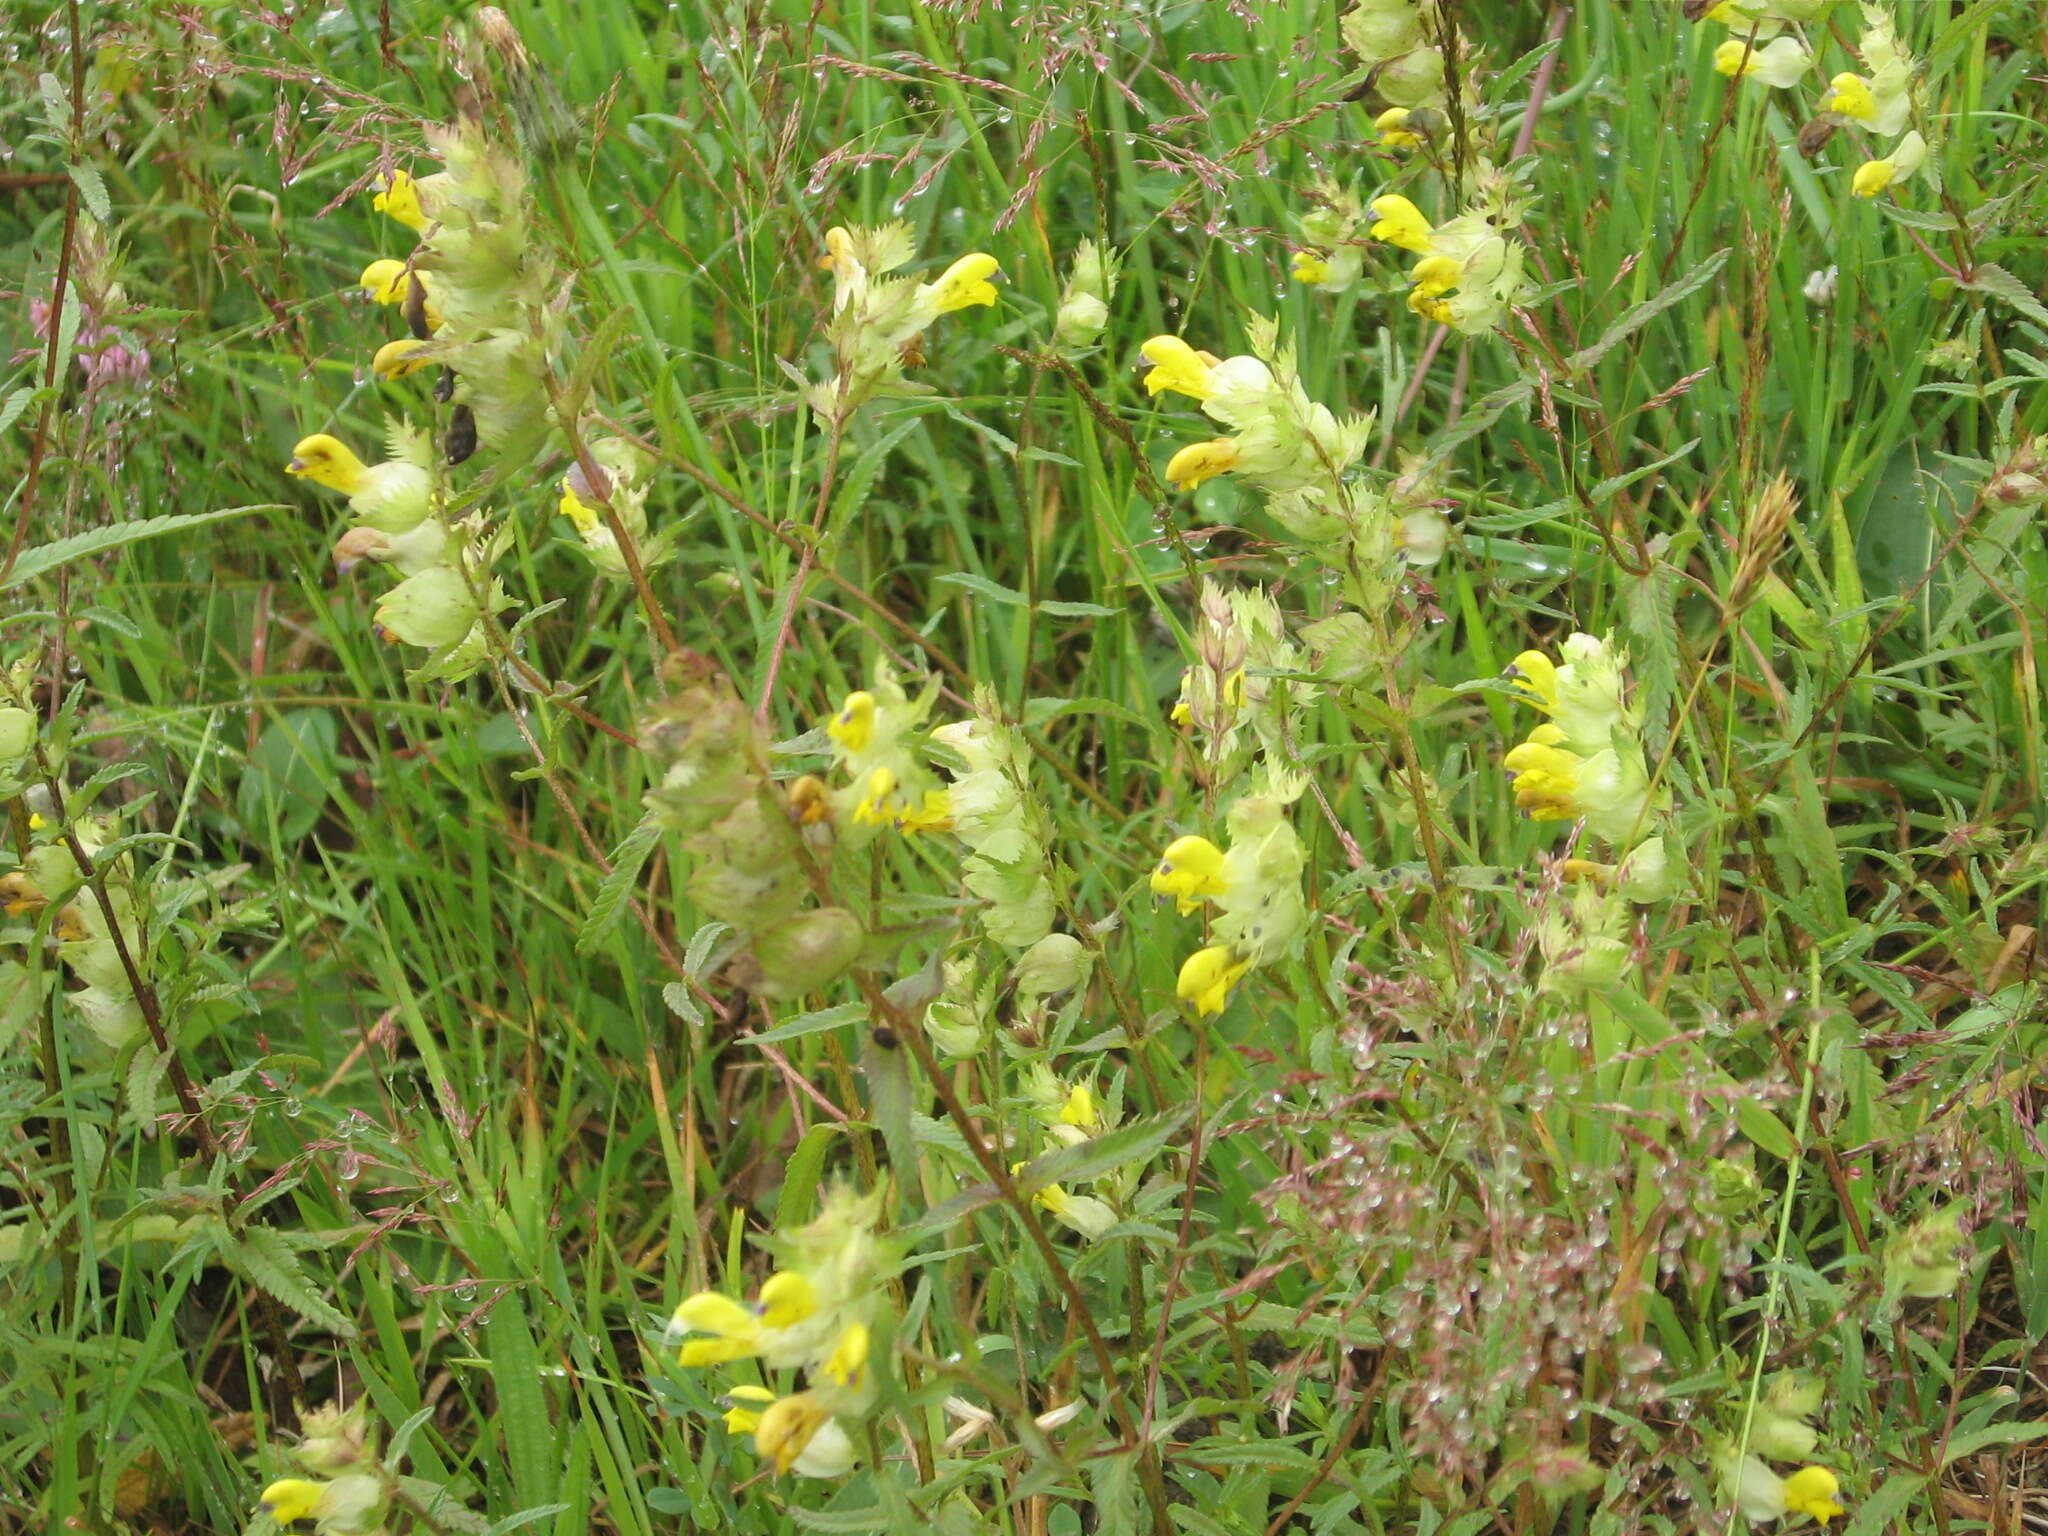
(787, 1298)
(1400, 222)
(964, 283)
(854, 726)
(1207, 976)
(1201, 461)
(1811, 1491)
(1176, 366)
(1190, 871)
(1851, 96)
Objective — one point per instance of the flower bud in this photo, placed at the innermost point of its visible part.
(1056, 963)
(336, 1438)
(805, 953)
(433, 609)
(17, 733)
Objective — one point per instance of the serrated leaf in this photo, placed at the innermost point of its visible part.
(93, 188)
(1989, 277)
(1996, 1434)
(263, 1257)
(1098, 1155)
(96, 541)
(810, 1023)
(618, 884)
(1636, 316)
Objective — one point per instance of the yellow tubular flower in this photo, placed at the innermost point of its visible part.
(1190, 871)
(1207, 976)
(854, 726)
(849, 1359)
(573, 506)
(1178, 367)
(1392, 127)
(1437, 274)
(1399, 222)
(787, 1426)
(388, 282)
(396, 359)
(1079, 1110)
(1536, 674)
(787, 1298)
(1851, 96)
(1872, 177)
(1546, 776)
(1310, 268)
(400, 198)
(964, 283)
(743, 1408)
(877, 807)
(1201, 461)
(292, 1498)
(735, 1331)
(1811, 1491)
(838, 248)
(934, 813)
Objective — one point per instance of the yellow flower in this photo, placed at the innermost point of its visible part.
(350, 1505)
(1851, 96)
(400, 197)
(1811, 1491)
(1079, 1109)
(1400, 222)
(791, 1427)
(396, 359)
(787, 1298)
(736, 1331)
(1310, 268)
(292, 1498)
(1207, 976)
(1201, 461)
(575, 509)
(743, 1408)
(1392, 127)
(934, 813)
(849, 1358)
(1781, 62)
(1546, 775)
(1178, 367)
(1436, 274)
(879, 806)
(1871, 178)
(838, 250)
(1536, 674)
(964, 283)
(1190, 871)
(854, 726)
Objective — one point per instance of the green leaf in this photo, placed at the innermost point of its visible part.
(1989, 277)
(618, 884)
(810, 1023)
(1636, 316)
(285, 785)
(1996, 1434)
(1893, 1498)
(1096, 1156)
(264, 1257)
(93, 189)
(522, 1406)
(94, 541)
(1009, 597)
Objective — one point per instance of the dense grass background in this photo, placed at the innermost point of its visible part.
(498, 1156)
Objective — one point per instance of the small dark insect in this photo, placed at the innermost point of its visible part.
(886, 1037)
(461, 440)
(444, 387)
